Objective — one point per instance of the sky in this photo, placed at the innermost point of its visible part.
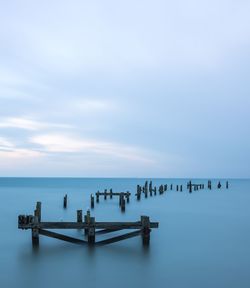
(125, 88)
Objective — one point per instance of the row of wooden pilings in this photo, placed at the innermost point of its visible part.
(146, 189)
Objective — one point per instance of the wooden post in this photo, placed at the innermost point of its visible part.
(87, 221)
(177, 187)
(171, 187)
(79, 216)
(219, 185)
(150, 188)
(97, 196)
(227, 185)
(91, 231)
(35, 233)
(145, 230)
(65, 201)
(38, 211)
(105, 194)
(181, 188)
(190, 187)
(92, 201)
(111, 193)
(123, 203)
(127, 196)
(138, 193)
(165, 187)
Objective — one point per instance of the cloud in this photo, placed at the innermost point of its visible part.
(60, 143)
(28, 124)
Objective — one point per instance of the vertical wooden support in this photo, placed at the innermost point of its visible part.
(91, 231)
(38, 210)
(171, 187)
(97, 196)
(86, 221)
(165, 187)
(65, 201)
(150, 188)
(127, 196)
(227, 185)
(177, 187)
(219, 185)
(190, 187)
(155, 190)
(105, 194)
(35, 233)
(123, 203)
(145, 230)
(209, 184)
(92, 201)
(79, 216)
(138, 193)
(181, 188)
(111, 193)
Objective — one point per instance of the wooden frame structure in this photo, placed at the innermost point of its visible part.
(91, 227)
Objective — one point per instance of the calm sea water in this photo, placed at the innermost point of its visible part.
(203, 238)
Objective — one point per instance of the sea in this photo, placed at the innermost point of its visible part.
(203, 239)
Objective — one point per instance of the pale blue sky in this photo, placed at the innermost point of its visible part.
(125, 88)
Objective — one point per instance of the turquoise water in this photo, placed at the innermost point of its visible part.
(203, 238)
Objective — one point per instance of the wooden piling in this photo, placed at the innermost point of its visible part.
(105, 194)
(79, 216)
(127, 196)
(86, 221)
(38, 210)
(91, 231)
(181, 188)
(171, 187)
(219, 185)
(145, 230)
(177, 187)
(92, 201)
(111, 193)
(35, 233)
(227, 185)
(65, 201)
(97, 196)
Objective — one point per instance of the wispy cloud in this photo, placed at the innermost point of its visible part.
(61, 143)
(28, 124)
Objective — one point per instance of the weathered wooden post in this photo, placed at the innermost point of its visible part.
(65, 201)
(91, 231)
(138, 193)
(123, 203)
(97, 196)
(127, 196)
(190, 186)
(38, 210)
(171, 187)
(92, 201)
(35, 219)
(145, 230)
(219, 185)
(150, 188)
(177, 187)
(111, 193)
(79, 216)
(181, 188)
(165, 187)
(227, 185)
(86, 221)
(105, 194)
(209, 184)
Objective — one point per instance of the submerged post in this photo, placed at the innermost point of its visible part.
(111, 193)
(35, 232)
(92, 201)
(145, 230)
(65, 201)
(91, 231)
(227, 185)
(97, 196)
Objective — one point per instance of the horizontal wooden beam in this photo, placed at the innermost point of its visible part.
(83, 225)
